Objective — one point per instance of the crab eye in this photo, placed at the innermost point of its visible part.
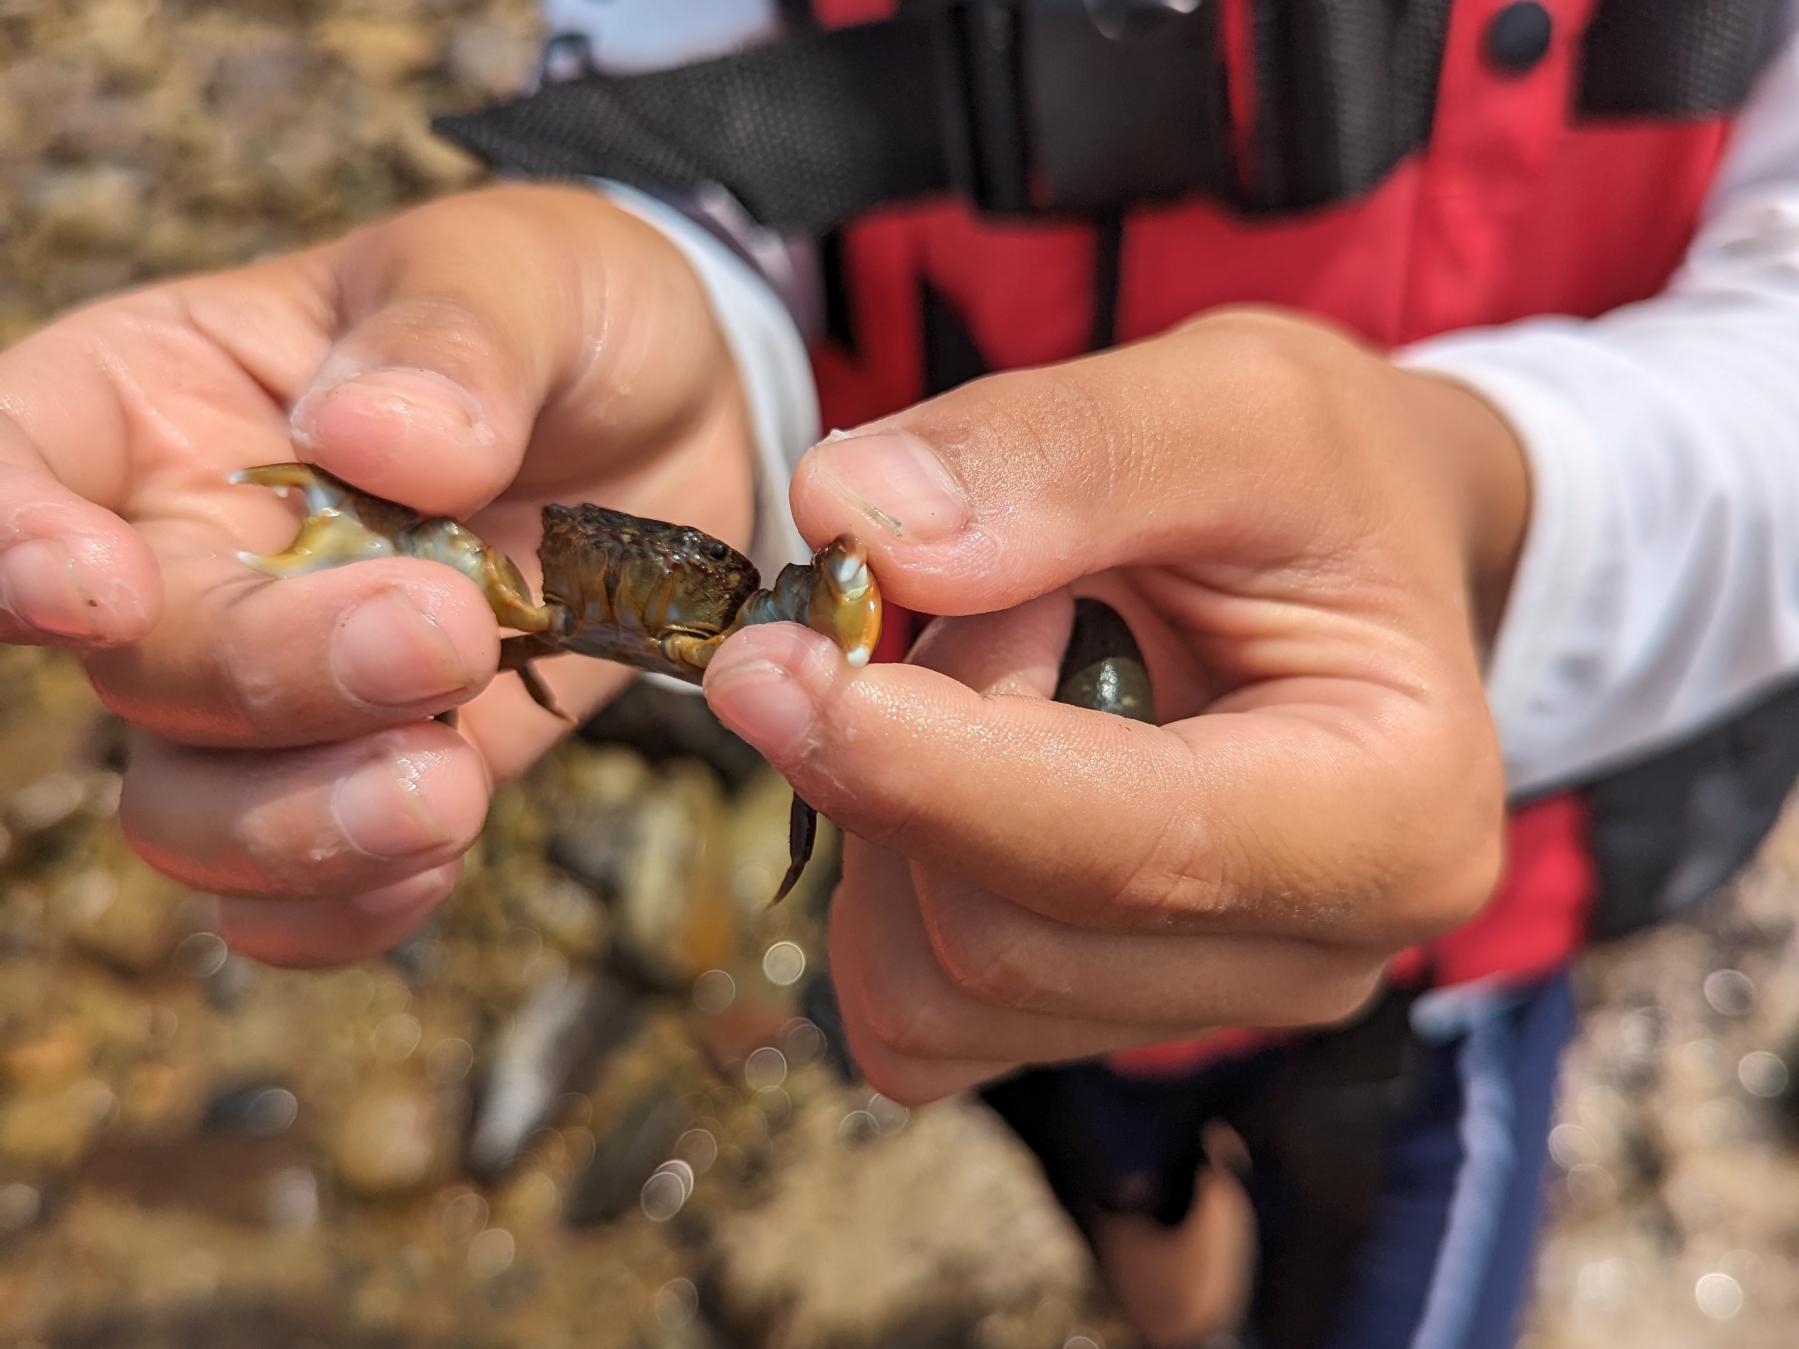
(718, 552)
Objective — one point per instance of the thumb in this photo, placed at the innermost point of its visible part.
(471, 325)
(1011, 486)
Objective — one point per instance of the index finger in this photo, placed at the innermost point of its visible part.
(72, 573)
(1293, 818)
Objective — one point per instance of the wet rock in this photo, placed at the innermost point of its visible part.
(55, 1128)
(596, 846)
(674, 913)
(130, 917)
(391, 1139)
(491, 56)
(47, 802)
(256, 1109)
(989, 1241)
(625, 1158)
(664, 724)
(20, 1205)
(566, 914)
(50, 1059)
(234, 1177)
(90, 206)
(561, 1031)
(757, 845)
(381, 51)
(419, 956)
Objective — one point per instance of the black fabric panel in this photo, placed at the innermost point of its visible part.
(1670, 831)
(1345, 89)
(1674, 58)
(951, 356)
(804, 132)
(1108, 257)
(840, 323)
(797, 15)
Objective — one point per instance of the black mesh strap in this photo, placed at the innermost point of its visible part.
(805, 132)
(1022, 107)
(1691, 59)
(1036, 106)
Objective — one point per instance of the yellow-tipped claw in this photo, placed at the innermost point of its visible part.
(331, 532)
(846, 600)
(322, 491)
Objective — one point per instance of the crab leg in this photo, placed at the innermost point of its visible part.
(342, 524)
(331, 533)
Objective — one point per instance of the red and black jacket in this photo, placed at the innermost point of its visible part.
(1002, 183)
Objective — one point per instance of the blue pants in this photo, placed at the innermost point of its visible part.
(1447, 1263)
(1397, 1189)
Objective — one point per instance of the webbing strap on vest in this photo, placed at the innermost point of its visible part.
(1020, 107)
(1670, 830)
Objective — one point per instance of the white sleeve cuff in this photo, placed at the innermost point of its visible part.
(1526, 678)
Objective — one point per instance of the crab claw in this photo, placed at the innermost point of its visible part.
(322, 491)
(331, 531)
(846, 600)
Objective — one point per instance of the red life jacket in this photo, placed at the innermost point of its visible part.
(1402, 169)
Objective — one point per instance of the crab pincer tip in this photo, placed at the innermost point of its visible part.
(849, 564)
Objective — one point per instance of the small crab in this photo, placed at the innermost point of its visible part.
(656, 596)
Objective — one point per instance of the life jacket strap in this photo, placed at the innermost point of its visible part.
(1022, 107)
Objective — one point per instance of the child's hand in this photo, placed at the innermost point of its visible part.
(475, 358)
(1309, 544)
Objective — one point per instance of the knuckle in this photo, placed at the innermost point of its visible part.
(1022, 435)
(978, 958)
(1460, 860)
(901, 1017)
(1332, 996)
(903, 1025)
(1342, 998)
(1180, 876)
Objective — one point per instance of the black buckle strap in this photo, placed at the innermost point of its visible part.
(1084, 105)
(1024, 107)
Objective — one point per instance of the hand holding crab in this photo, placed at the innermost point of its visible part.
(1308, 543)
(284, 754)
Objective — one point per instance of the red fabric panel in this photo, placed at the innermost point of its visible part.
(1343, 263)
(1238, 40)
(1024, 289)
(1539, 913)
(843, 13)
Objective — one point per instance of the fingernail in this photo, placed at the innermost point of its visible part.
(387, 808)
(391, 653)
(765, 705)
(40, 585)
(404, 400)
(896, 481)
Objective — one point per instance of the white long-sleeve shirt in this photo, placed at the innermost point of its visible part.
(1659, 584)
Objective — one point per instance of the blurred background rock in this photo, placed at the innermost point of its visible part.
(585, 1108)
